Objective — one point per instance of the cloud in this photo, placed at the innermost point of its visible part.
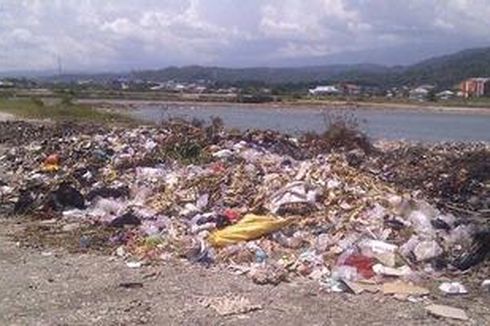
(123, 34)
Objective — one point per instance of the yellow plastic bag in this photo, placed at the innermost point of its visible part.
(248, 228)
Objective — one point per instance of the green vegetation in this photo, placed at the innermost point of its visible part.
(35, 108)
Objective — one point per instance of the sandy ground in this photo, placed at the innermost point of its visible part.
(50, 286)
(6, 116)
(424, 107)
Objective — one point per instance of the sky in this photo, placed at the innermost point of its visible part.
(108, 35)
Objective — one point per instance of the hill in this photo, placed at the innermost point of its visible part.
(449, 70)
(258, 74)
(444, 71)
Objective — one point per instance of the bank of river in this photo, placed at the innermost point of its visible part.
(379, 123)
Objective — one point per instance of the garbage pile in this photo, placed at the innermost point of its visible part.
(258, 203)
(456, 176)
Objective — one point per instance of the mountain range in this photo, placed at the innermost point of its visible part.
(443, 71)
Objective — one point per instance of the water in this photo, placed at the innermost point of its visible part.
(396, 124)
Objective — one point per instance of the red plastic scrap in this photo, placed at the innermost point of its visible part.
(363, 264)
(231, 215)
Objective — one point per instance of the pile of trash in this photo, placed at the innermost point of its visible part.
(257, 203)
(455, 175)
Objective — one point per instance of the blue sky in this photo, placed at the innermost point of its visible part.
(97, 35)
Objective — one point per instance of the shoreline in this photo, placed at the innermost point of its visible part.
(130, 104)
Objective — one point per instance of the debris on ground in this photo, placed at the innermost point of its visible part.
(453, 288)
(227, 305)
(486, 285)
(404, 288)
(333, 209)
(447, 312)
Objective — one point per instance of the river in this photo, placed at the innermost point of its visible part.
(392, 124)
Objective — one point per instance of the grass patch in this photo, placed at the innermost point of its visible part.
(34, 108)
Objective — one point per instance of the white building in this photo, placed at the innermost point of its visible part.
(445, 95)
(420, 93)
(324, 90)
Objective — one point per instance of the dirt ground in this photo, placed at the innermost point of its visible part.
(6, 116)
(49, 286)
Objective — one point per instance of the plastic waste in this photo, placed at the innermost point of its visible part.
(308, 262)
(363, 265)
(319, 273)
(486, 285)
(197, 228)
(421, 222)
(134, 264)
(427, 250)
(250, 227)
(323, 242)
(382, 251)
(126, 219)
(53, 159)
(460, 235)
(334, 284)
(295, 192)
(477, 252)
(51, 163)
(84, 242)
(108, 192)
(67, 196)
(224, 153)
(260, 255)
(149, 174)
(150, 145)
(24, 202)
(202, 202)
(231, 215)
(74, 213)
(390, 271)
(453, 288)
(107, 208)
(295, 241)
(345, 272)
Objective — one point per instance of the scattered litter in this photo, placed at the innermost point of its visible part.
(134, 264)
(226, 306)
(131, 285)
(70, 227)
(358, 287)
(447, 312)
(453, 288)
(268, 274)
(427, 250)
(390, 271)
(400, 287)
(486, 285)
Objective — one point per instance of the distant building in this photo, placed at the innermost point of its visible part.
(445, 95)
(6, 84)
(475, 87)
(179, 88)
(324, 90)
(350, 89)
(199, 89)
(420, 93)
